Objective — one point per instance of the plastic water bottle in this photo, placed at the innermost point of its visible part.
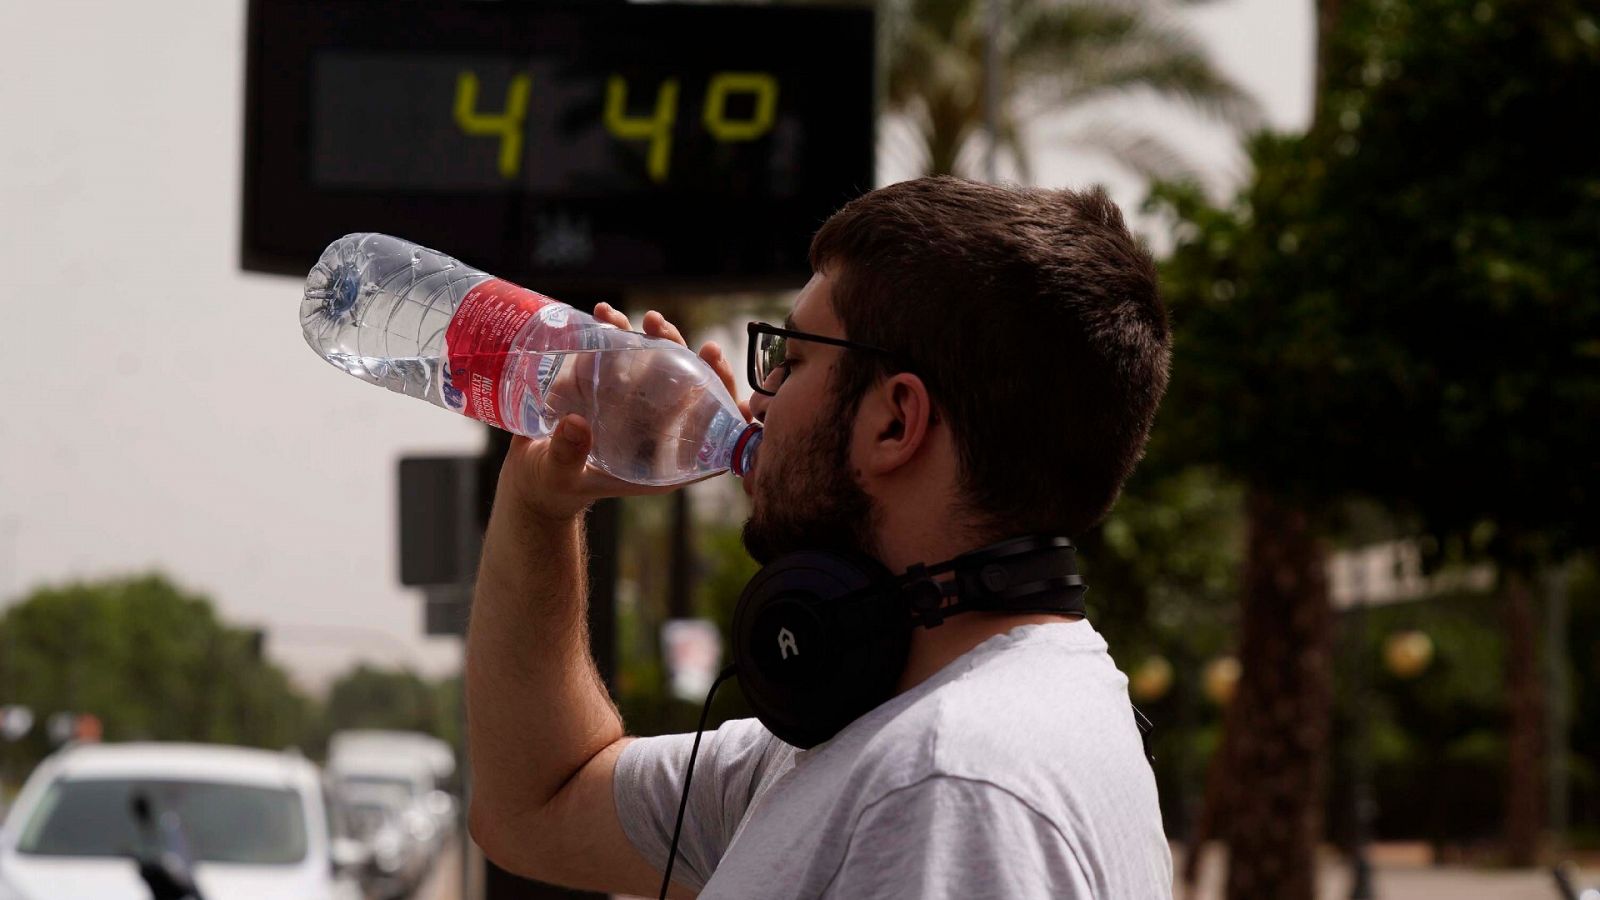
(425, 325)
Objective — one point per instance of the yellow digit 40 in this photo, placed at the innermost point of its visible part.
(657, 128)
(507, 125)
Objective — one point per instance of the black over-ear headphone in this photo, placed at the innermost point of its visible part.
(821, 638)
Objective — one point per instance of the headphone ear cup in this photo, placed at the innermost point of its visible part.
(807, 665)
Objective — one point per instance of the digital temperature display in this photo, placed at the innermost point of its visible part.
(514, 124)
(614, 146)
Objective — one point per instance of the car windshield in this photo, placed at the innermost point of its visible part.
(367, 818)
(380, 782)
(226, 823)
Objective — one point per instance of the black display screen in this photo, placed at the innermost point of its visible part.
(606, 147)
(525, 125)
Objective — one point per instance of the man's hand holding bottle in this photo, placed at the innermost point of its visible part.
(551, 476)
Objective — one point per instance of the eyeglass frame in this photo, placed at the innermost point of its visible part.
(752, 329)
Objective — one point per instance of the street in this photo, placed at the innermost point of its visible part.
(1401, 873)
(444, 882)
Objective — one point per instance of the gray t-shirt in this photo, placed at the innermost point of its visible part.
(1015, 771)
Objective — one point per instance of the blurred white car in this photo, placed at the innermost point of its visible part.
(257, 824)
(399, 834)
(438, 756)
(416, 761)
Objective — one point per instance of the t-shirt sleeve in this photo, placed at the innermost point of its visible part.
(648, 783)
(949, 837)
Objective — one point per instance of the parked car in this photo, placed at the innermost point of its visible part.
(408, 780)
(441, 760)
(398, 834)
(419, 760)
(257, 824)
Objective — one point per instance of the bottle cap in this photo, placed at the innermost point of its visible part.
(744, 450)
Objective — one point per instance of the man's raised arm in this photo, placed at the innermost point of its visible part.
(543, 735)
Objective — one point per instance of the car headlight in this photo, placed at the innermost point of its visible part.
(387, 853)
(420, 826)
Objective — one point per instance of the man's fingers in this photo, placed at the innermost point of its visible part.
(569, 444)
(653, 323)
(610, 315)
(713, 356)
(656, 325)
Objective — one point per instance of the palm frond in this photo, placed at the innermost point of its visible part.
(1050, 37)
(1056, 54)
(901, 141)
(1135, 149)
(1013, 140)
(1067, 69)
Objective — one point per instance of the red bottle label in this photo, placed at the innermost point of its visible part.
(477, 342)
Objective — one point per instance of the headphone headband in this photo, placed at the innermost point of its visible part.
(1028, 574)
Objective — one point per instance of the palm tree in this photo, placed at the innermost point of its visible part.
(1053, 56)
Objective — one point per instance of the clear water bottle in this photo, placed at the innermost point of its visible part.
(425, 325)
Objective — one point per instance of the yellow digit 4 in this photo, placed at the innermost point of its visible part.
(765, 89)
(657, 128)
(507, 125)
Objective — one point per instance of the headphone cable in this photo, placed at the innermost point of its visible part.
(683, 803)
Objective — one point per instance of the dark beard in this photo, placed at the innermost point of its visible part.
(815, 504)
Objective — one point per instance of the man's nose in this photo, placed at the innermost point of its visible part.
(758, 406)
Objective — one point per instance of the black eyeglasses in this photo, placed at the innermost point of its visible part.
(769, 354)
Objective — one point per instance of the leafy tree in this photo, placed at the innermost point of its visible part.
(1401, 304)
(391, 699)
(1452, 119)
(149, 659)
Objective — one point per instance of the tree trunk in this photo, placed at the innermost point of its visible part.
(942, 151)
(1267, 804)
(1220, 786)
(1280, 723)
(1327, 20)
(1525, 709)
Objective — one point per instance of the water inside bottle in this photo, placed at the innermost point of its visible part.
(651, 429)
(414, 376)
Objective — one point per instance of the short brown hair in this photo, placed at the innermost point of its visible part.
(1033, 318)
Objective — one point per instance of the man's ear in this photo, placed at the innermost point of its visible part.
(897, 414)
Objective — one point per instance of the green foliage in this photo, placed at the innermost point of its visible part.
(150, 660)
(646, 706)
(728, 569)
(1403, 302)
(390, 699)
(154, 662)
(1439, 739)
(1163, 567)
(1163, 571)
(1436, 740)
(368, 697)
(1402, 306)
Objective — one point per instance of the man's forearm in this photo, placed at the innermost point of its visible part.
(537, 709)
